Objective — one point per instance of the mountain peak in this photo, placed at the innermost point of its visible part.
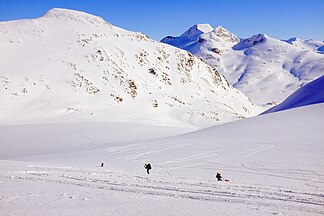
(220, 29)
(221, 32)
(251, 41)
(197, 30)
(258, 38)
(62, 12)
(204, 27)
(189, 37)
(68, 14)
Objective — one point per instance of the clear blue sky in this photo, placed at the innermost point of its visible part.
(281, 19)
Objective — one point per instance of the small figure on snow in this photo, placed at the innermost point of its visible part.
(148, 167)
(219, 177)
(102, 164)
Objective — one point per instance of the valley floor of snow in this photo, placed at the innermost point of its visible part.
(274, 164)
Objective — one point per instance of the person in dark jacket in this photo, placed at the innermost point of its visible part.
(219, 177)
(148, 167)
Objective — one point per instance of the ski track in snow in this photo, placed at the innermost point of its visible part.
(199, 160)
(316, 176)
(177, 188)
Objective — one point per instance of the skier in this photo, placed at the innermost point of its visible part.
(102, 164)
(148, 167)
(219, 177)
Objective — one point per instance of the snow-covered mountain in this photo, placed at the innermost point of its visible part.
(73, 66)
(312, 93)
(86, 82)
(265, 69)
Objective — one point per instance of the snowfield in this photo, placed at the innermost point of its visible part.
(274, 164)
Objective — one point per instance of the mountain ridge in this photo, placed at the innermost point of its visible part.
(265, 69)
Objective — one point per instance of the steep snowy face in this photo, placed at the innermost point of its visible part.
(311, 93)
(202, 35)
(73, 66)
(216, 41)
(188, 40)
(265, 69)
(197, 30)
(250, 42)
(223, 35)
(207, 45)
(213, 44)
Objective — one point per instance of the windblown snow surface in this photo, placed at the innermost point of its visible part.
(274, 164)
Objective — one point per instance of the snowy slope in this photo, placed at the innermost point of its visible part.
(101, 94)
(311, 45)
(274, 164)
(265, 69)
(312, 93)
(73, 66)
(188, 39)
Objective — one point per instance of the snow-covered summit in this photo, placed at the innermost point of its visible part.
(189, 38)
(225, 34)
(202, 37)
(197, 30)
(200, 33)
(73, 15)
(84, 69)
(252, 41)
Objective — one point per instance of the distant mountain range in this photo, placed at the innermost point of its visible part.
(73, 66)
(266, 69)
